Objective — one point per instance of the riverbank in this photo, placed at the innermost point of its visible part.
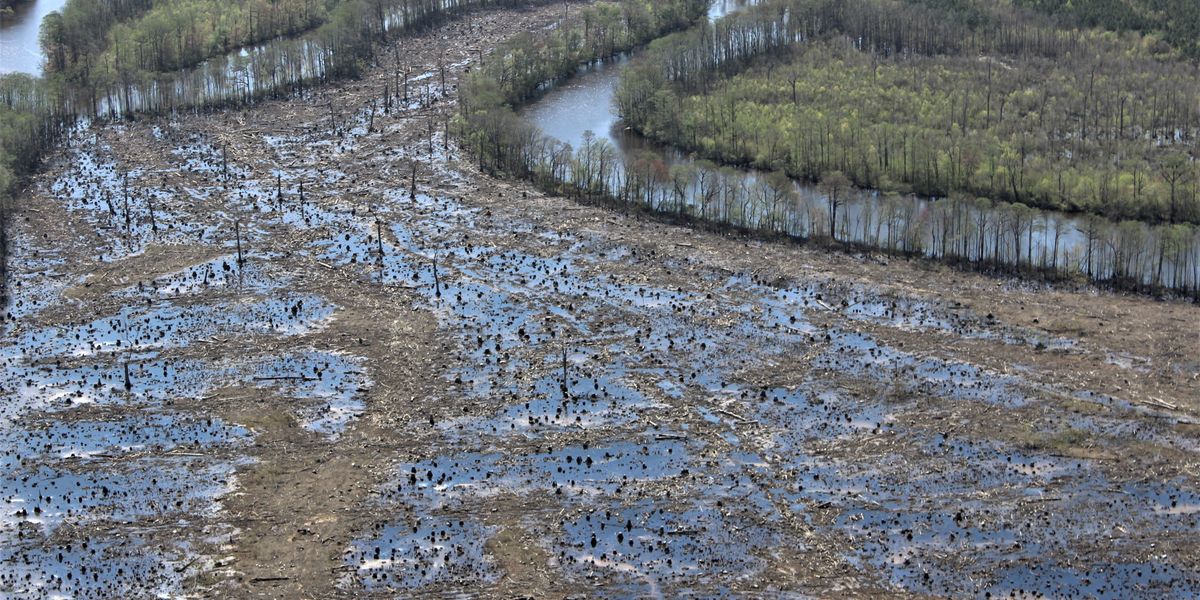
(299, 374)
(20, 51)
(993, 237)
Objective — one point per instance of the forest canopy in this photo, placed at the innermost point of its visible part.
(907, 98)
(996, 102)
(1177, 22)
(115, 58)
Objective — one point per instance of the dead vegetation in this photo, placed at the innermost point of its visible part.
(445, 383)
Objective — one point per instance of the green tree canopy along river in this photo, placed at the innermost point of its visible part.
(897, 112)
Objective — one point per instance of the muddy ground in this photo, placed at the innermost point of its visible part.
(507, 394)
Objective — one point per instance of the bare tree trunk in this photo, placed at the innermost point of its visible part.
(237, 232)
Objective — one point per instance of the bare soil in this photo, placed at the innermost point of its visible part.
(524, 396)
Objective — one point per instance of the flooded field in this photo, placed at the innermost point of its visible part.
(246, 356)
(20, 51)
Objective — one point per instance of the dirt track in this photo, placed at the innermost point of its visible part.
(527, 397)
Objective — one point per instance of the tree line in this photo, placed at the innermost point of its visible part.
(85, 78)
(1063, 120)
(969, 100)
(959, 125)
(24, 136)
(112, 57)
(974, 233)
(1175, 22)
(90, 72)
(529, 64)
(161, 36)
(982, 233)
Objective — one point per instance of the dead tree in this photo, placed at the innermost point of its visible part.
(429, 135)
(412, 190)
(441, 64)
(150, 205)
(437, 282)
(237, 234)
(128, 218)
(565, 383)
(379, 242)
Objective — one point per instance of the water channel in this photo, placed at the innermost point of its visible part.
(584, 108)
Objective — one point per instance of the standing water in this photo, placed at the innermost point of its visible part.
(586, 103)
(582, 112)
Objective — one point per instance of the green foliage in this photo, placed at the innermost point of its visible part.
(25, 131)
(527, 63)
(116, 57)
(522, 68)
(121, 56)
(1177, 21)
(24, 135)
(885, 110)
(165, 35)
(1090, 124)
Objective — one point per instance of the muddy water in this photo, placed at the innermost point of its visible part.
(641, 422)
(20, 51)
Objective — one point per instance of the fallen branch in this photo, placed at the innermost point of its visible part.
(1042, 499)
(744, 420)
(266, 579)
(184, 567)
(1152, 401)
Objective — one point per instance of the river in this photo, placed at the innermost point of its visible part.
(19, 48)
(584, 107)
